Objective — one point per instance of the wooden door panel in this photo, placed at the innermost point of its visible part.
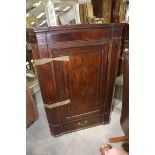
(82, 78)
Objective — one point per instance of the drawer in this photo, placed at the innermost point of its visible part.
(82, 123)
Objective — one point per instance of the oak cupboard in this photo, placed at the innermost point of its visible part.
(76, 67)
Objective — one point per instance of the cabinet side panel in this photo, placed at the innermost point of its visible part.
(113, 67)
(53, 116)
(45, 77)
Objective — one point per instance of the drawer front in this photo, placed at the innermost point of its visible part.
(84, 77)
(82, 123)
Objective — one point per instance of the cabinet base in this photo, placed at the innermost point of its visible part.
(76, 125)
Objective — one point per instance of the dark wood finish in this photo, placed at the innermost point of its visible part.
(125, 45)
(97, 7)
(125, 103)
(118, 139)
(115, 11)
(31, 110)
(87, 79)
(124, 120)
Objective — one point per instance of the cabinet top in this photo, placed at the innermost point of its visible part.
(79, 26)
(51, 35)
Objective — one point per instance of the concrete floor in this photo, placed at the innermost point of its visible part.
(83, 142)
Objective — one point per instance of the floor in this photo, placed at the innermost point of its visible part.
(83, 142)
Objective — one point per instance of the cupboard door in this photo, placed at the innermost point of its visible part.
(83, 81)
(82, 74)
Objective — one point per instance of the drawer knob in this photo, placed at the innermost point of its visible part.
(82, 123)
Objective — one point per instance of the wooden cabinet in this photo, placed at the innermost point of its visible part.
(78, 74)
